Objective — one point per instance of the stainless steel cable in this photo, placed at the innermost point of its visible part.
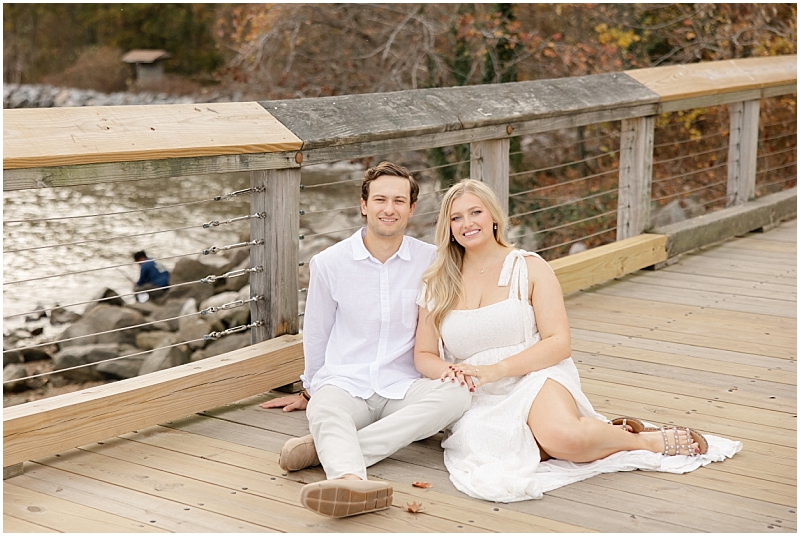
(704, 187)
(207, 310)
(790, 164)
(33, 220)
(570, 224)
(570, 241)
(304, 236)
(683, 157)
(214, 335)
(682, 175)
(673, 143)
(562, 165)
(573, 181)
(776, 153)
(207, 279)
(571, 202)
(779, 136)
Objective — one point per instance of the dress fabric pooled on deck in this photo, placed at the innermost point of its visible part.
(490, 452)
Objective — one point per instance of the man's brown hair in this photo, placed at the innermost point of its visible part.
(392, 170)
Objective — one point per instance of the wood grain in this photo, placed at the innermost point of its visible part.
(675, 82)
(55, 424)
(42, 137)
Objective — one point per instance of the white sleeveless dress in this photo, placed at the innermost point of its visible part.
(490, 452)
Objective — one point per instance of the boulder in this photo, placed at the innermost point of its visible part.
(195, 329)
(37, 354)
(236, 258)
(105, 293)
(104, 318)
(11, 357)
(189, 308)
(147, 340)
(80, 355)
(189, 270)
(165, 358)
(122, 369)
(227, 343)
(14, 371)
(146, 308)
(199, 291)
(170, 309)
(59, 315)
(219, 299)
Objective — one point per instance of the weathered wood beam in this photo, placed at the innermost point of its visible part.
(635, 176)
(56, 424)
(730, 222)
(719, 99)
(276, 196)
(742, 151)
(168, 168)
(606, 262)
(490, 165)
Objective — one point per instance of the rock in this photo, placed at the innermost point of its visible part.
(226, 318)
(37, 314)
(227, 343)
(148, 340)
(14, 371)
(21, 334)
(194, 328)
(189, 270)
(102, 295)
(165, 358)
(122, 369)
(80, 355)
(189, 308)
(577, 247)
(147, 308)
(36, 354)
(38, 330)
(11, 357)
(59, 315)
(170, 309)
(219, 299)
(104, 318)
(199, 291)
(238, 256)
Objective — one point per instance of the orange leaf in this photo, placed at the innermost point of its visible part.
(422, 484)
(413, 507)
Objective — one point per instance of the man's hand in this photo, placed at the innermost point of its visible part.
(288, 403)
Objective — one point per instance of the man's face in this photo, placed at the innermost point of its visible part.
(388, 206)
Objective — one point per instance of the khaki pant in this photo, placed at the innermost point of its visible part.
(351, 433)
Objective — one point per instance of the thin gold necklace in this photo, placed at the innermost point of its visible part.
(492, 261)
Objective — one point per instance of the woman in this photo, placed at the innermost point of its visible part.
(500, 313)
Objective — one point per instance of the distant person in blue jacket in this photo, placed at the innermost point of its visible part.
(152, 276)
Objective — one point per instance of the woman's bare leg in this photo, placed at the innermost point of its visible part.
(563, 434)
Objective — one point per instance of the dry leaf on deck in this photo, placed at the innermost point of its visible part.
(413, 507)
(422, 484)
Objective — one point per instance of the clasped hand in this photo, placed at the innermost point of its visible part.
(473, 376)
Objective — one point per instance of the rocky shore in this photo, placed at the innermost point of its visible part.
(46, 96)
(153, 342)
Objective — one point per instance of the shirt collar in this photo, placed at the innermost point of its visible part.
(360, 251)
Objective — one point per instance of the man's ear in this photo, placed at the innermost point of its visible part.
(413, 206)
(363, 207)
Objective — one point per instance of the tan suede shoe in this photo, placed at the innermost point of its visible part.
(298, 453)
(342, 498)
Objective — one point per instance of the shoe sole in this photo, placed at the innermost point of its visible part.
(343, 502)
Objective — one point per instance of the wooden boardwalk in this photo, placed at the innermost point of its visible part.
(708, 342)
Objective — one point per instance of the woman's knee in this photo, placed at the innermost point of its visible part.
(560, 440)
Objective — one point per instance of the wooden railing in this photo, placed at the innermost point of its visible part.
(71, 146)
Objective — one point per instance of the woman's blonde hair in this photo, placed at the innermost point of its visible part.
(442, 279)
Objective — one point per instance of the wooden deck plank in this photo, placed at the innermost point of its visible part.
(14, 524)
(748, 243)
(62, 515)
(261, 461)
(234, 478)
(708, 283)
(114, 499)
(270, 515)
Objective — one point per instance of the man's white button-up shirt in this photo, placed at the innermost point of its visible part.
(361, 317)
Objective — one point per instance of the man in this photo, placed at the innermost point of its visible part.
(152, 276)
(365, 399)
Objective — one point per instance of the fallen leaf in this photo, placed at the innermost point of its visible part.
(422, 484)
(414, 507)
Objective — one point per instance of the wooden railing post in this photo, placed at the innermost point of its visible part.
(635, 176)
(275, 193)
(490, 165)
(742, 151)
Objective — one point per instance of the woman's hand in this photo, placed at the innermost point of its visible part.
(475, 375)
(452, 375)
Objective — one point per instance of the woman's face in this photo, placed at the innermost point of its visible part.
(470, 221)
